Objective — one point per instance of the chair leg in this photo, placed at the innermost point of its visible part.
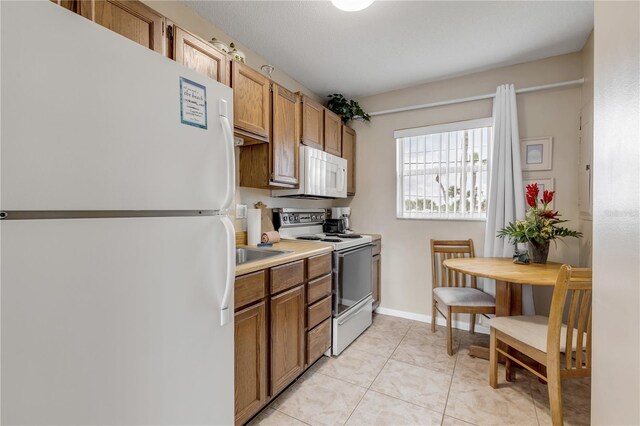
(508, 366)
(434, 316)
(493, 360)
(449, 332)
(555, 394)
(472, 324)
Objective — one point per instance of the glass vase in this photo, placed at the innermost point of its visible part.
(539, 252)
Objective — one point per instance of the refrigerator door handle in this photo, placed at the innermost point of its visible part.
(230, 278)
(229, 151)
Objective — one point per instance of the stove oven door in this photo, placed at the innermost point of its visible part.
(352, 277)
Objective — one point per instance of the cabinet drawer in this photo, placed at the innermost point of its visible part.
(250, 288)
(318, 265)
(318, 312)
(287, 276)
(318, 341)
(377, 247)
(318, 289)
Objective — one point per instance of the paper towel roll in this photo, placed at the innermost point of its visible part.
(271, 237)
(254, 230)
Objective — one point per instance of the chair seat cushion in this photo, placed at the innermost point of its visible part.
(463, 296)
(532, 330)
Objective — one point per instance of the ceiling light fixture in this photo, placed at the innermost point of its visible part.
(352, 5)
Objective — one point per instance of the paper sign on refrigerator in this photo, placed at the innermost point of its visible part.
(193, 103)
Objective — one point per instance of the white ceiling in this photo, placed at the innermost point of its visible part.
(395, 44)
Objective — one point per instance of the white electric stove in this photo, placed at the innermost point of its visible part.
(306, 224)
(352, 264)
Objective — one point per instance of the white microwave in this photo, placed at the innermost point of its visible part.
(322, 175)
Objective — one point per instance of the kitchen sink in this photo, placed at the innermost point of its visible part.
(247, 254)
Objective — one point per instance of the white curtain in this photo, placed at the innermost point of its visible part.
(506, 194)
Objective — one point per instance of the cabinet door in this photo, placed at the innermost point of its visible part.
(332, 133)
(284, 142)
(200, 56)
(312, 123)
(129, 18)
(287, 337)
(349, 153)
(250, 361)
(376, 280)
(251, 101)
(72, 5)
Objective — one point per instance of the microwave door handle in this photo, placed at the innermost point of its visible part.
(343, 173)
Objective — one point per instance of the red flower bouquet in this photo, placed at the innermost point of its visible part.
(540, 225)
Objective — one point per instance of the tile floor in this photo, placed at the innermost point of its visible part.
(399, 373)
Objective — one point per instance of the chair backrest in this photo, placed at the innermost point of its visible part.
(442, 250)
(572, 300)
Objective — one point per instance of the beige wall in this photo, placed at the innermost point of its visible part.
(615, 392)
(406, 271)
(585, 182)
(185, 17)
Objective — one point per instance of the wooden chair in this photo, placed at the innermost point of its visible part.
(454, 292)
(547, 340)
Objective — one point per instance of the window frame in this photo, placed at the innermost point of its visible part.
(429, 130)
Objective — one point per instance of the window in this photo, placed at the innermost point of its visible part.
(442, 171)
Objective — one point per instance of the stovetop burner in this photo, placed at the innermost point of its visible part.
(332, 240)
(310, 238)
(343, 235)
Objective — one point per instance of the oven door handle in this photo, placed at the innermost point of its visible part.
(345, 252)
(352, 315)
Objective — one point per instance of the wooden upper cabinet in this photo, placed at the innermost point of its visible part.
(349, 153)
(312, 123)
(251, 101)
(332, 133)
(72, 5)
(287, 337)
(198, 55)
(129, 18)
(250, 361)
(284, 139)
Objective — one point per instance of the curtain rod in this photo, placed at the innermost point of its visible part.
(478, 98)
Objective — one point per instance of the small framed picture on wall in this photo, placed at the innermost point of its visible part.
(543, 185)
(536, 153)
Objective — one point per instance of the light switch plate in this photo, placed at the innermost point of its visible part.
(241, 211)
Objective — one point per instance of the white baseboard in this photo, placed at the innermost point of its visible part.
(462, 325)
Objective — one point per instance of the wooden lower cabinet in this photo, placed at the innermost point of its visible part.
(250, 361)
(282, 326)
(377, 273)
(287, 337)
(376, 280)
(318, 341)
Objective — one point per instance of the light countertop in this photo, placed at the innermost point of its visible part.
(299, 250)
(374, 237)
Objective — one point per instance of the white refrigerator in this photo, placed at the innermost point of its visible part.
(117, 257)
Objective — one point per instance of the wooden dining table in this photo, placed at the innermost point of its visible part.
(509, 278)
